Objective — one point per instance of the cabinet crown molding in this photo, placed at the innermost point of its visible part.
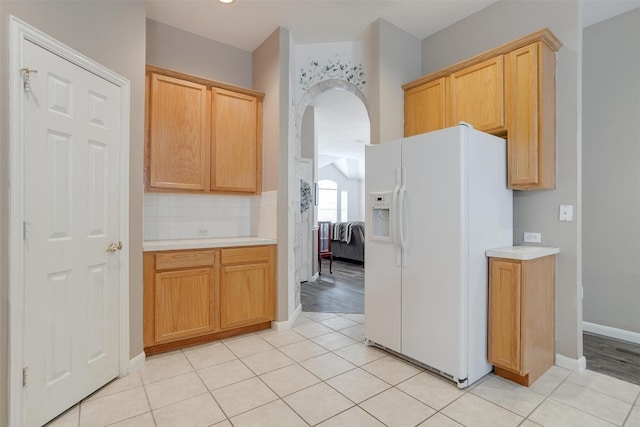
(201, 80)
(544, 35)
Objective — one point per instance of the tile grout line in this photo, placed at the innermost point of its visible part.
(633, 405)
(546, 397)
(583, 411)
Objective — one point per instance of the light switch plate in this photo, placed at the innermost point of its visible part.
(566, 213)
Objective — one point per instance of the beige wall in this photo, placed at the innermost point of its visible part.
(537, 210)
(113, 34)
(271, 76)
(179, 50)
(391, 67)
(611, 172)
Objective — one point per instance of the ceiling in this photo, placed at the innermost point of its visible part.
(342, 121)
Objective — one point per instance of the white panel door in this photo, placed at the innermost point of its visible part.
(71, 307)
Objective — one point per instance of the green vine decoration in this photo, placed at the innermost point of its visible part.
(332, 70)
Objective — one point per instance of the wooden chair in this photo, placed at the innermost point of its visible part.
(324, 245)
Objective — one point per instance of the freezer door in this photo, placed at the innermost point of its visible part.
(434, 295)
(382, 275)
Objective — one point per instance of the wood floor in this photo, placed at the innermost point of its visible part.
(619, 359)
(340, 292)
(343, 292)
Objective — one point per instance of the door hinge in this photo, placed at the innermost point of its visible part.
(25, 376)
(26, 82)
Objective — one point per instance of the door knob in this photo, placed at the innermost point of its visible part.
(114, 247)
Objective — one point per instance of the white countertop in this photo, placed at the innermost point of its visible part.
(220, 242)
(523, 253)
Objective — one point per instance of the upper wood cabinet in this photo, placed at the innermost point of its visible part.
(236, 148)
(531, 112)
(508, 91)
(179, 134)
(429, 97)
(477, 96)
(201, 135)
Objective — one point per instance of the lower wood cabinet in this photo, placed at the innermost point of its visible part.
(193, 296)
(246, 288)
(521, 317)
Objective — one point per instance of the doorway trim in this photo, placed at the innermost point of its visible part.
(21, 32)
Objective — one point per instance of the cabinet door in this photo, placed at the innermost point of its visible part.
(505, 290)
(530, 102)
(477, 96)
(184, 304)
(178, 139)
(236, 149)
(425, 108)
(246, 295)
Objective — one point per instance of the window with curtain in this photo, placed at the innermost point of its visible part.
(327, 200)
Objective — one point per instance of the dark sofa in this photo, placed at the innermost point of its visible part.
(352, 251)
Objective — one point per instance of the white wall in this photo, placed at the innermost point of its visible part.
(611, 173)
(537, 211)
(353, 187)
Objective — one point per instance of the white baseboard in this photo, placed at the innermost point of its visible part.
(287, 324)
(315, 277)
(576, 365)
(137, 362)
(608, 331)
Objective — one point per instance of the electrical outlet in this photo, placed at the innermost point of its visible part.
(532, 237)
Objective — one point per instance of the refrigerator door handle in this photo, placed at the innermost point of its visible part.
(400, 218)
(393, 219)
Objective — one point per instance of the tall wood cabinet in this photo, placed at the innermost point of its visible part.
(531, 112)
(508, 91)
(201, 135)
(521, 316)
(193, 296)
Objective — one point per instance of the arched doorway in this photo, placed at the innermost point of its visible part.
(341, 128)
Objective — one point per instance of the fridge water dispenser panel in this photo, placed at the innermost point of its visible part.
(381, 206)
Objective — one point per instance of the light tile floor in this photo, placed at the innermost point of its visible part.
(321, 373)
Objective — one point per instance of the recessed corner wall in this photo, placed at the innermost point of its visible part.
(611, 172)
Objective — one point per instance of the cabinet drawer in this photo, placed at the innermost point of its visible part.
(186, 259)
(244, 255)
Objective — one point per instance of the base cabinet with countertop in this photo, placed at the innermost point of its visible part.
(521, 309)
(198, 295)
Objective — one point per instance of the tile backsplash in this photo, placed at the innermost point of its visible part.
(174, 216)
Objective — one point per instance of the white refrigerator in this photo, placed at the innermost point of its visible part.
(434, 203)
